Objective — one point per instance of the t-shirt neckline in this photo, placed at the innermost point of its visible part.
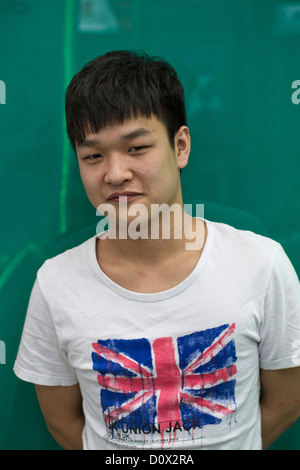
(156, 296)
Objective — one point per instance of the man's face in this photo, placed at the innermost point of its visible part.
(135, 161)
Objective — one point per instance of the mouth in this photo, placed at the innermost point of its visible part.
(125, 196)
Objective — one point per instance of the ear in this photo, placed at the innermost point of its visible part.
(182, 146)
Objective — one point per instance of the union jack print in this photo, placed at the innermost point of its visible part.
(166, 389)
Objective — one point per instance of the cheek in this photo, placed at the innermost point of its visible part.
(159, 182)
(86, 181)
(156, 169)
(147, 172)
(91, 188)
(88, 178)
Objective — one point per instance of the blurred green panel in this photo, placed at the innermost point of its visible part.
(237, 61)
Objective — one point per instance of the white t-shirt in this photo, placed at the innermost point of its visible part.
(177, 369)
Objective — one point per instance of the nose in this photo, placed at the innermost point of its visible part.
(117, 171)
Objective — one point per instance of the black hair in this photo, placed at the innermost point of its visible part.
(120, 85)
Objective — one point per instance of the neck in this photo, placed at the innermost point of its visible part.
(162, 240)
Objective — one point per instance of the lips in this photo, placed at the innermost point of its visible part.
(115, 197)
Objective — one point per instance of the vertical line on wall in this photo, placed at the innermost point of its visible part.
(67, 75)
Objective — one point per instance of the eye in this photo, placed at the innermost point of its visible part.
(138, 149)
(93, 157)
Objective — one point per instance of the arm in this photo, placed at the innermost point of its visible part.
(279, 402)
(62, 410)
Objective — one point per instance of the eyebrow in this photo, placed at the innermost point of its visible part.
(141, 131)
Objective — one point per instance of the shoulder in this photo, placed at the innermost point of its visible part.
(68, 263)
(229, 232)
(244, 245)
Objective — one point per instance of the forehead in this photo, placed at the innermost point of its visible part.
(130, 129)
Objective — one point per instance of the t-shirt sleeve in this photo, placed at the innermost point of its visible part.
(40, 359)
(280, 328)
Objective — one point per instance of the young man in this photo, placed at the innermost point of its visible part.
(136, 342)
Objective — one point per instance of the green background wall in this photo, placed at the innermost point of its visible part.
(237, 60)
